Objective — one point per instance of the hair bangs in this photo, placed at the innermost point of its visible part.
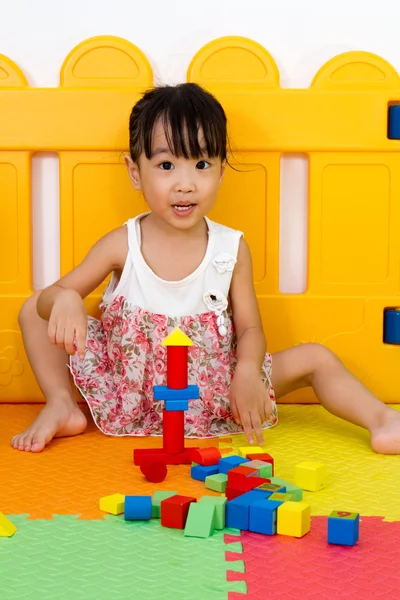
(193, 121)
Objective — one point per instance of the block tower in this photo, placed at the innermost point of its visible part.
(176, 395)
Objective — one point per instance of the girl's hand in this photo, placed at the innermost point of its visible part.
(68, 322)
(250, 402)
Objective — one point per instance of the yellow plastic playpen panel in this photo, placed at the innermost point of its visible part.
(340, 124)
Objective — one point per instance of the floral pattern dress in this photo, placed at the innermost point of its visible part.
(125, 358)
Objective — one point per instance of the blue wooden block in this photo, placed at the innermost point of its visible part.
(137, 508)
(394, 122)
(237, 510)
(230, 462)
(391, 326)
(263, 516)
(171, 405)
(162, 392)
(200, 473)
(343, 528)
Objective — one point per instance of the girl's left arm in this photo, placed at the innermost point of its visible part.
(249, 399)
(246, 313)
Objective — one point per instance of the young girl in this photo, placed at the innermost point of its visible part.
(174, 267)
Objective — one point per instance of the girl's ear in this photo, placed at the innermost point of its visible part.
(222, 172)
(134, 173)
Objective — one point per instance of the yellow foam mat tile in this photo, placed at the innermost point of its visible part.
(72, 474)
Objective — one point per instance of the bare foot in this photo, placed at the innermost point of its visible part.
(385, 438)
(56, 419)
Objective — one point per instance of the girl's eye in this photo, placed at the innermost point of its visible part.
(166, 166)
(203, 164)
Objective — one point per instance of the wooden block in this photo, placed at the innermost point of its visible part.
(271, 487)
(265, 457)
(290, 487)
(200, 520)
(245, 450)
(174, 511)
(264, 468)
(158, 497)
(310, 475)
(113, 504)
(204, 456)
(219, 502)
(294, 519)
(218, 482)
(343, 528)
(7, 529)
(282, 497)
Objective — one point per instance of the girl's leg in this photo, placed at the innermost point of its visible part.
(61, 415)
(338, 391)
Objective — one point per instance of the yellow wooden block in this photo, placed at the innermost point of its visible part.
(113, 504)
(7, 529)
(310, 475)
(294, 519)
(244, 450)
(177, 338)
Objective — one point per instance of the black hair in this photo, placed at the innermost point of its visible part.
(183, 110)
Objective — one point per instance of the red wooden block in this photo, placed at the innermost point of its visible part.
(154, 471)
(174, 511)
(265, 457)
(205, 456)
(173, 431)
(238, 474)
(177, 367)
(145, 455)
(231, 493)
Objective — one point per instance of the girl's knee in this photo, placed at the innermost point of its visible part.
(320, 357)
(28, 309)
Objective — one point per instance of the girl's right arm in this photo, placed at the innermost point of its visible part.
(62, 302)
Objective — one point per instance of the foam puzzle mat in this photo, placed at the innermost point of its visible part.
(66, 548)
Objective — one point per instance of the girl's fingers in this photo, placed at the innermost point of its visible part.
(256, 424)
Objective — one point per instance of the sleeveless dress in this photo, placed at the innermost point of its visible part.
(124, 357)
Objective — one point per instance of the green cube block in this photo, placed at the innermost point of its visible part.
(290, 488)
(217, 482)
(264, 468)
(220, 504)
(282, 497)
(200, 520)
(156, 502)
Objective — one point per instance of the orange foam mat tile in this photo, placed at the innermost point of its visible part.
(71, 474)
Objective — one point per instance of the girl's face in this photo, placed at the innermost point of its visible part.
(179, 190)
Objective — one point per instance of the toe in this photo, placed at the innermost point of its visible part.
(37, 445)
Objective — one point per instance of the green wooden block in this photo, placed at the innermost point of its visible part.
(290, 488)
(264, 468)
(156, 502)
(220, 504)
(200, 520)
(217, 482)
(282, 497)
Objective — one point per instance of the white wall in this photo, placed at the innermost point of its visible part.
(300, 34)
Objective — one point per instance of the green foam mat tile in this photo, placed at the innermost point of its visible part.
(111, 559)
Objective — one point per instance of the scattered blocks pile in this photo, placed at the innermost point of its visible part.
(255, 500)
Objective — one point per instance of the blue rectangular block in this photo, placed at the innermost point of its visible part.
(343, 528)
(171, 405)
(230, 462)
(200, 473)
(162, 392)
(262, 518)
(238, 510)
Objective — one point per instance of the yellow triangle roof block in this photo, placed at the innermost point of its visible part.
(177, 338)
(7, 529)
